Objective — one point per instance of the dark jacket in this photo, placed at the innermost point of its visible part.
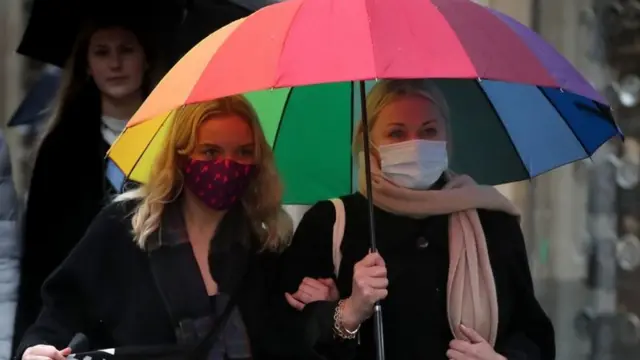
(68, 189)
(414, 313)
(106, 290)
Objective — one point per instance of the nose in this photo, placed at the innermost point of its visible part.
(115, 60)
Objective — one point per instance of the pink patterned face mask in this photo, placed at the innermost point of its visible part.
(218, 183)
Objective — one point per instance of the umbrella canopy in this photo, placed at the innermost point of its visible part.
(202, 18)
(518, 107)
(50, 39)
(55, 24)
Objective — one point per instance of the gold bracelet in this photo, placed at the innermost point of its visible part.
(338, 326)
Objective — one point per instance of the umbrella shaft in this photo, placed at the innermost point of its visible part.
(367, 164)
(378, 331)
(378, 328)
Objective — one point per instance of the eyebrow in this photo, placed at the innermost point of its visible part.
(212, 144)
(428, 122)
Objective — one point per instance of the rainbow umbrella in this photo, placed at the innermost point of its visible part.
(519, 108)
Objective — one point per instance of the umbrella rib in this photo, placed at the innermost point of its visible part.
(282, 113)
(586, 151)
(284, 42)
(351, 124)
(504, 127)
(146, 147)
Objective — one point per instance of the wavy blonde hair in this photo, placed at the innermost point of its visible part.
(261, 201)
(385, 92)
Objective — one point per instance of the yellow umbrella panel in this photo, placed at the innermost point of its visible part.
(132, 155)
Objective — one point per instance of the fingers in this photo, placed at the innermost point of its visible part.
(334, 293)
(371, 266)
(378, 283)
(372, 259)
(375, 271)
(312, 290)
(298, 305)
(365, 274)
(375, 283)
(328, 282)
(471, 334)
(43, 352)
(455, 355)
(370, 277)
(372, 294)
(461, 346)
(314, 284)
(66, 351)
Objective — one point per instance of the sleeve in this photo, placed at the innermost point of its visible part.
(531, 336)
(67, 294)
(52, 226)
(310, 255)
(42, 234)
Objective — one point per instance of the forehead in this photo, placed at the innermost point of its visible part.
(112, 35)
(224, 129)
(409, 109)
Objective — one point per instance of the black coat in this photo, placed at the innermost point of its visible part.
(106, 290)
(68, 188)
(414, 313)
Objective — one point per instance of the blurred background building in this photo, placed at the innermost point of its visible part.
(581, 221)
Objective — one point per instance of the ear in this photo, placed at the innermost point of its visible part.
(182, 161)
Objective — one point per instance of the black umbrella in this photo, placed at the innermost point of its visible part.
(35, 105)
(201, 19)
(55, 24)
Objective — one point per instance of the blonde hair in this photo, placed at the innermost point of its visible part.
(385, 92)
(262, 200)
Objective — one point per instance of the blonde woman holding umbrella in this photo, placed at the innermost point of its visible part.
(451, 268)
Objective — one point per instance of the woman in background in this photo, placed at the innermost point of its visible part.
(105, 81)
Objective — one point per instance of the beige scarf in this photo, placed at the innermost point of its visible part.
(471, 290)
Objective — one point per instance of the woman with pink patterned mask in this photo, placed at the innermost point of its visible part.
(191, 250)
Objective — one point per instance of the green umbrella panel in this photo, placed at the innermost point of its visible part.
(311, 129)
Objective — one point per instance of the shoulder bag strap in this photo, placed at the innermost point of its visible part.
(338, 234)
(209, 340)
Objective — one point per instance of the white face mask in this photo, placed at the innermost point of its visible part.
(414, 164)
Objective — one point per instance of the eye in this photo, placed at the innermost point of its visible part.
(247, 152)
(127, 49)
(429, 132)
(211, 153)
(396, 134)
(101, 52)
